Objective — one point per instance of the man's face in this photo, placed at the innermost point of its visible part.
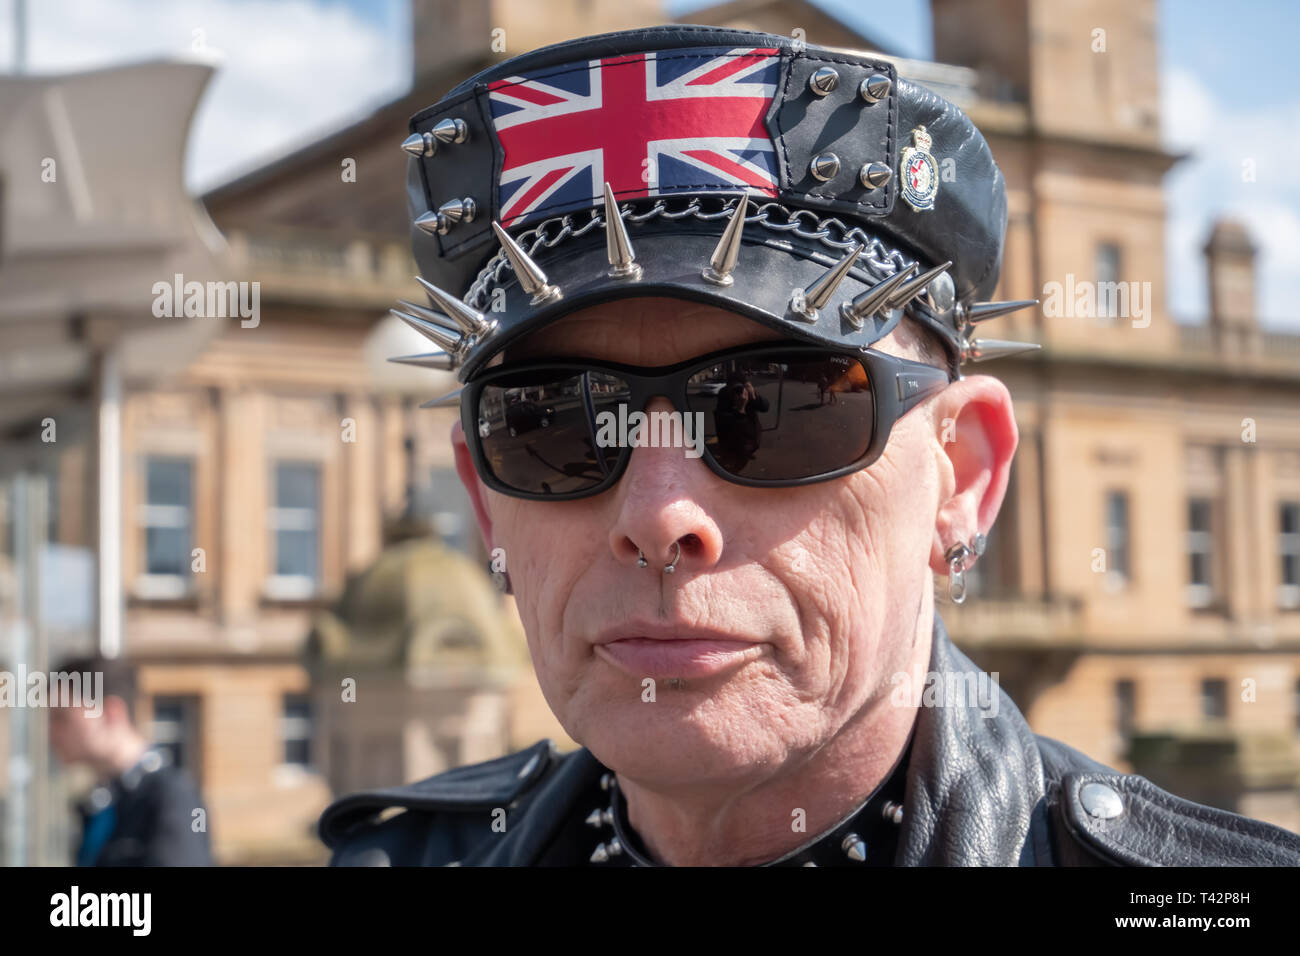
(818, 586)
(77, 735)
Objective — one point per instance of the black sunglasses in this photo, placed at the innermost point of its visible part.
(768, 415)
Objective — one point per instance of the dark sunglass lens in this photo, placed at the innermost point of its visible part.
(538, 429)
(777, 417)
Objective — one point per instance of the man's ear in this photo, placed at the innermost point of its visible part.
(473, 486)
(977, 440)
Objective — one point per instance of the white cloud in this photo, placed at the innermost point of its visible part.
(289, 70)
(1242, 165)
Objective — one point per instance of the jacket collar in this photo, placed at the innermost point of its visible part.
(975, 781)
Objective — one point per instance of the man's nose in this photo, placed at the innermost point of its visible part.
(662, 512)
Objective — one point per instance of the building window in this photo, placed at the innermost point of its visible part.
(295, 730)
(1125, 706)
(1117, 539)
(175, 720)
(167, 518)
(1108, 267)
(294, 522)
(1289, 543)
(1200, 552)
(1214, 699)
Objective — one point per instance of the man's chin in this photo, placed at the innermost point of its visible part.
(676, 740)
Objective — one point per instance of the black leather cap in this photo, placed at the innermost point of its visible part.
(711, 113)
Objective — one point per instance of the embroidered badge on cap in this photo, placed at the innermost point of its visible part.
(651, 124)
(920, 173)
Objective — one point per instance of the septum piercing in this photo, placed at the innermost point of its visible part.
(670, 568)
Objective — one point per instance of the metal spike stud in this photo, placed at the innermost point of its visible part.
(453, 130)
(874, 175)
(874, 88)
(470, 321)
(432, 223)
(531, 277)
(608, 781)
(984, 350)
(854, 847)
(914, 288)
(594, 818)
(982, 311)
(443, 361)
(600, 854)
(874, 299)
(428, 315)
(824, 167)
(450, 400)
(618, 245)
(727, 251)
(445, 339)
(823, 81)
(817, 295)
(420, 144)
(458, 210)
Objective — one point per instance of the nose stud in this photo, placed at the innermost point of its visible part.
(641, 562)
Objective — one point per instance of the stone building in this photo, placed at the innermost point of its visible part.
(1140, 598)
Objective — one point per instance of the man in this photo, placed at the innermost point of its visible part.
(635, 223)
(143, 812)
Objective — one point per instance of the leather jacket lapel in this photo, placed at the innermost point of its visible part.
(975, 793)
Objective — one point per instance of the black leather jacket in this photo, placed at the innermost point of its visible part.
(980, 791)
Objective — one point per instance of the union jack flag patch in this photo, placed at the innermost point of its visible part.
(650, 124)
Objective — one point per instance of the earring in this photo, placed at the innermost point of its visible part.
(641, 562)
(500, 579)
(956, 557)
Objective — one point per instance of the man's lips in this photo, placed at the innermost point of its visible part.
(663, 653)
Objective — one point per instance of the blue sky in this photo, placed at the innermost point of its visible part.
(291, 70)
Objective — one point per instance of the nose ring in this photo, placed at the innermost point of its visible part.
(641, 561)
(670, 568)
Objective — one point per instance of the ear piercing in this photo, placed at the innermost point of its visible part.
(669, 568)
(956, 557)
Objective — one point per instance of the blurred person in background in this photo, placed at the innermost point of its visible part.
(141, 811)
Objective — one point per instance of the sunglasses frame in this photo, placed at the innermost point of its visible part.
(897, 386)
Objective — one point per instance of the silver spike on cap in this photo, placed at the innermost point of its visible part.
(874, 175)
(420, 144)
(874, 299)
(450, 400)
(727, 251)
(445, 339)
(823, 80)
(824, 167)
(531, 277)
(451, 130)
(982, 311)
(816, 296)
(458, 210)
(984, 350)
(618, 245)
(446, 131)
(874, 88)
(914, 288)
(442, 361)
(470, 321)
(432, 222)
(854, 847)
